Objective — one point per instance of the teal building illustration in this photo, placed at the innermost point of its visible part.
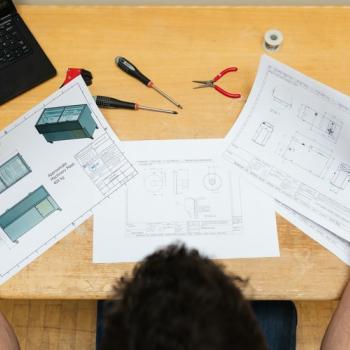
(66, 123)
(12, 171)
(27, 213)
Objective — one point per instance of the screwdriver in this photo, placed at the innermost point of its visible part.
(110, 102)
(130, 69)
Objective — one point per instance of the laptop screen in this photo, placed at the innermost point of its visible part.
(6, 7)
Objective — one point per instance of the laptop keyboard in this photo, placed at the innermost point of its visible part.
(12, 44)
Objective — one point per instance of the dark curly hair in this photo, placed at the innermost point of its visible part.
(177, 299)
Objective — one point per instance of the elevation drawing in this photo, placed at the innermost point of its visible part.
(181, 181)
(263, 133)
(13, 170)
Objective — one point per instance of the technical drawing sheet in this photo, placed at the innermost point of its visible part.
(47, 188)
(292, 140)
(336, 245)
(181, 194)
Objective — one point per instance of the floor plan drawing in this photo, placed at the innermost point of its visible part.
(305, 164)
(263, 133)
(191, 206)
(182, 194)
(48, 189)
(308, 155)
(328, 126)
(13, 170)
(181, 181)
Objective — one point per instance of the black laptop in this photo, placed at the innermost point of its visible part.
(23, 63)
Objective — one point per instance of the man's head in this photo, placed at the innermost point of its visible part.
(176, 300)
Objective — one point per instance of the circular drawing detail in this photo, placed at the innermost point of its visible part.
(154, 183)
(212, 182)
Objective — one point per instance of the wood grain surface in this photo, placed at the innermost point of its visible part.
(173, 46)
(71, 324)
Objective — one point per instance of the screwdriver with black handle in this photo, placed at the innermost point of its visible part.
(110, 102)
(130, 69)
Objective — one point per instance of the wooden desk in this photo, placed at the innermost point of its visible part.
(175, 45)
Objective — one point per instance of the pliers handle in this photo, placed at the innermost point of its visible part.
(210, 83)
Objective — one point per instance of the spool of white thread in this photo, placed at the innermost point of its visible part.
(273, 39)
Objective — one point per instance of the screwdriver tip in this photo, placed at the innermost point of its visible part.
(174, 112)
(180, 106)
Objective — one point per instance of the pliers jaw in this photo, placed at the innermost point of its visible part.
(205, 83)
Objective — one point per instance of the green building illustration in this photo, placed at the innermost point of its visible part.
(27, 213)
(66, 123)
(12, 171)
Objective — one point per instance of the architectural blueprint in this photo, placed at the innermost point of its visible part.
(47, 189)
(181, 194)
(338, 246)
(292, 140)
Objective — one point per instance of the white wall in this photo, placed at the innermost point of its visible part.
(190, 2)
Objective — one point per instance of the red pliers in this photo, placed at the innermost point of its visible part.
(210, 83)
